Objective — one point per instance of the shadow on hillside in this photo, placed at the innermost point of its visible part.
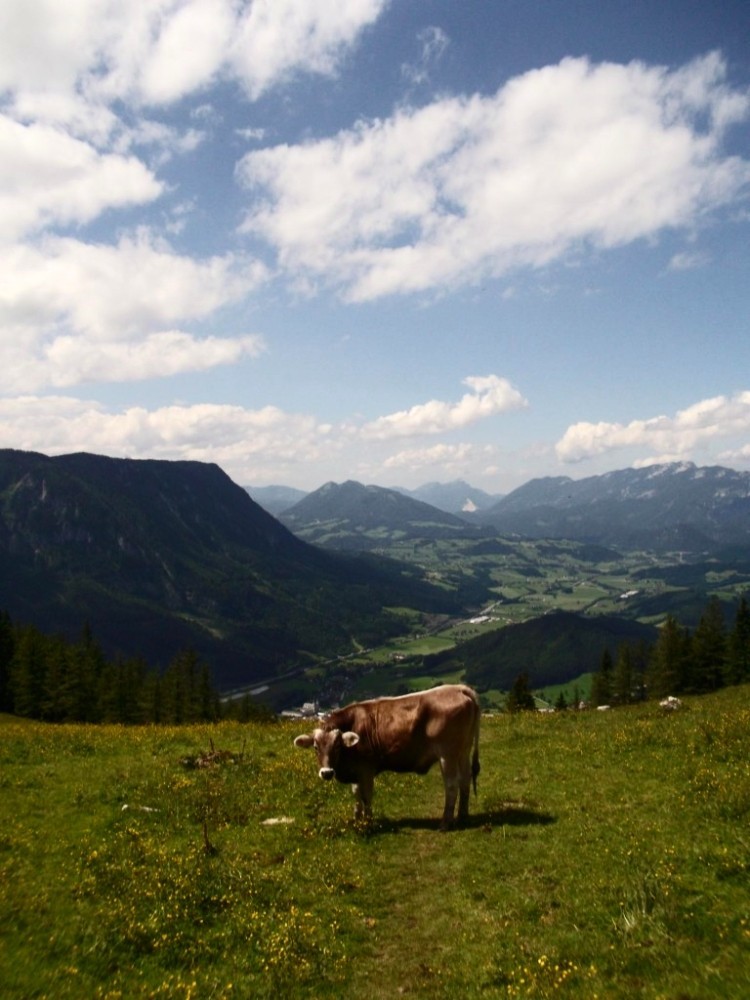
(486, 820)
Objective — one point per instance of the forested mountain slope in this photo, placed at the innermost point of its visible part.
(158, 555)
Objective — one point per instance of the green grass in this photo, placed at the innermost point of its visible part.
(608, 856)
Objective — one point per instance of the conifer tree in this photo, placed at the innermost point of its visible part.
(709, 649)
(601, 684)
(27, 672)
(520, 697)
(668, 669)
(738, 651)
(7, 645)
(622, 679)
(639, 659)
(53, 704)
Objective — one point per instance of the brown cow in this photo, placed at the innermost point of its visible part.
(409, 733)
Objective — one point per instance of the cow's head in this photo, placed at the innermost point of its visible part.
(327, 745)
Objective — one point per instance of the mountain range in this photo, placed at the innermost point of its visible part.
(158, 556)
(352, 516)
(662, 508)
(456, 497)
(676, 506)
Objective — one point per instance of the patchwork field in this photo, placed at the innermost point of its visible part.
(607, 856)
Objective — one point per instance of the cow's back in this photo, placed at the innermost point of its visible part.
(412, 732)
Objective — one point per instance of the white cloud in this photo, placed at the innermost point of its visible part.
(675, 436)
(489, 396)
(75, 360)
(559, 158)
(244, 442)
(158, 51)
(688, 261)
(188, 51)
(277, 38)
(433, 42)
(449, 458)
(75, 311)
(49, 178)
(736, 456)
(118, 290)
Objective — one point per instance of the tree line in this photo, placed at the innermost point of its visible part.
(55, 680)
(710, 657)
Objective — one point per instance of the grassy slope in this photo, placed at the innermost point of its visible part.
(607, 856)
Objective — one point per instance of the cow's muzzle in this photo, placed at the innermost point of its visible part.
(326, 773)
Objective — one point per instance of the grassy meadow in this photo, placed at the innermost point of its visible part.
(608, 856)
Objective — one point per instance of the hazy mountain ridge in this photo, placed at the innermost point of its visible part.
(661, 507)
(276, 499)
(341, 515)
(456, 497)
(157, 556)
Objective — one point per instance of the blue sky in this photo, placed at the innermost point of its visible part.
(397, 241)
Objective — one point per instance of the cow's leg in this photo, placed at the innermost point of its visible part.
(363, 796)
(464, 789)
(451, 783)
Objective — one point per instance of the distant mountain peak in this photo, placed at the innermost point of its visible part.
(456, 497)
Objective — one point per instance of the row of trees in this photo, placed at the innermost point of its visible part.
(47, 677)
(712, 656)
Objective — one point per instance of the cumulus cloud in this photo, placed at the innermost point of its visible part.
(48, 177)
(276, 38)
(137, 283)
(74, 311)
(74, 360)
(449, 458)
(736, 456)
(158, 51)
(242, 441)
(561, 157)
(674, 436)
(488, 396)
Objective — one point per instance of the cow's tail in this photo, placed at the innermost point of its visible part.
(475, 756)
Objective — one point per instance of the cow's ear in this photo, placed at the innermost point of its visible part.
(305, 741)
(350, 739)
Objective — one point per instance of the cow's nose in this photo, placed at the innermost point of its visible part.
(326, 773)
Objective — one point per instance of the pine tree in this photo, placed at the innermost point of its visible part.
(601, 684)
(7, 646)
(709, 649)
(520, 697)
(622, 679)
(186, 688)
(53, 704)
(576, 702)
(27, 672)
(738, 651)
(669, 665)
(639, 660)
